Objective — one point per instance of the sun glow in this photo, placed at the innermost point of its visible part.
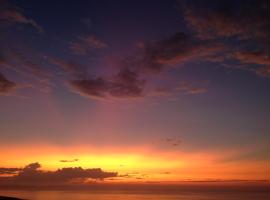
(139, 164)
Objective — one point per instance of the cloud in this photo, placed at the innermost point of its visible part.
(169, 142)
(242, 27)
(71, 68)
(96, 87)
(225, 18)
(210, 24)
(126, 84)
(173, 141)
(6, 86)
(29, 67)
(153, 58)
(191, 88)
(197, 90)
(184, 87)
(13, 14)
(73, 160)
(8, 171)
(261, 58)
(130, 81)
(175, 49)
(26, 64)
(84, 45)
(32, 175)
(255, 57)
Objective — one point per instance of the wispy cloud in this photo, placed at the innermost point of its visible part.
(260, 58)
(184, 87)
(71, 68)
(13, 14)
(6, 86)
(29, 67)
(244, 20)
(243, 27)
(176, 49)
(125, 84)
(9, 171)
(73, 160)
(86, 44)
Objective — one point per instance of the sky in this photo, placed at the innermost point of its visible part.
(134, 91)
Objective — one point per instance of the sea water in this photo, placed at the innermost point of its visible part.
(123, 195)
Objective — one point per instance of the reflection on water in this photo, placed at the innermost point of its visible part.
(118, 195)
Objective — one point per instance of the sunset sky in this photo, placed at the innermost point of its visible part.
(134, 91)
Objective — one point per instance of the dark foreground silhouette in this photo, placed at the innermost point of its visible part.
(9, 198)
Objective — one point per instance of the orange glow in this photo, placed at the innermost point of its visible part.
(141, 164)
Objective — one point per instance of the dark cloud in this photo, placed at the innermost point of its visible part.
(96, 87)
(29, 67)
(126, 84)
(173, 141)
(12, 14)
(165, 172)
(73, 160)
(255, 57)
(151, 58)
(6, 86)
(216, 31)
(8, 171)
(86, 44)
(243, 19)
(136, 175)
(176, 49)
(211, 25)
(32, 174)
(25, 62)
(242, 26)
(260, 58)
(169, 142)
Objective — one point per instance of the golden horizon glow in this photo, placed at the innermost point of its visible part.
(139, 165)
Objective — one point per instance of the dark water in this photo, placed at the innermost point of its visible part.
(118, 195)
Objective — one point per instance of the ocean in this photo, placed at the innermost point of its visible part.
(124, 195)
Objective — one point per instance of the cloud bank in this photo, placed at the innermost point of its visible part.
(32, 174)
